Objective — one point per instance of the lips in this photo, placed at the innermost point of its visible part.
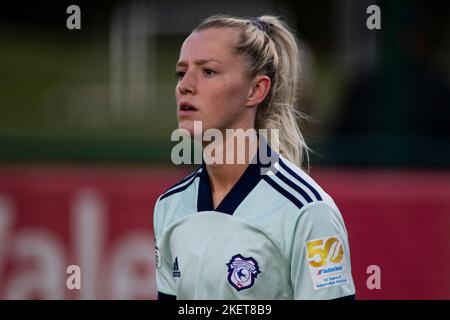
(186, 108)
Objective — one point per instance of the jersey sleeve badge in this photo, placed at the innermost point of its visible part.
(326, 261)
(157, 258)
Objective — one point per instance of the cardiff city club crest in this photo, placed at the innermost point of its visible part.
(242, 272)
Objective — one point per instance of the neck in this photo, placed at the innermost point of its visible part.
(223, 176)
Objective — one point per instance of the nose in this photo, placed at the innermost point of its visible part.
(187, 84)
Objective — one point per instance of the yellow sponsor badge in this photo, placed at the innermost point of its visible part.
(326, 261)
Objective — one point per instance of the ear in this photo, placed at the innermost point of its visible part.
(259, 90)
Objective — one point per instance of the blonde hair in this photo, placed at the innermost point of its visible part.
(271, 49)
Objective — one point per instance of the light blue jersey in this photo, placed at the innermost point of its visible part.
(274, 236)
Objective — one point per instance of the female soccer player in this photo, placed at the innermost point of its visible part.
(232, 230)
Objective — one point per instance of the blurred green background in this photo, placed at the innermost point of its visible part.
(105, 93)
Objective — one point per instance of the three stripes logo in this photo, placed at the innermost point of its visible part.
(176, 269)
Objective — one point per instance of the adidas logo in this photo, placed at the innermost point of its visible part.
(176, 269)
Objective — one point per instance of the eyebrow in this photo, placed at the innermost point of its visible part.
(198, 62)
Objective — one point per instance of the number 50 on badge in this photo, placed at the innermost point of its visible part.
(326, 262)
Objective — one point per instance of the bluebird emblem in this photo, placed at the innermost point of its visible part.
(242, 272)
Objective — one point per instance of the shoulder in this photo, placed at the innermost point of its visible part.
(296, 186)
(181, 185)
(175, 202)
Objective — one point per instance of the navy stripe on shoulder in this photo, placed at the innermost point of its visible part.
(285, 193)
(174, 190)
(293, 186)
(295, 175)
(184, 179)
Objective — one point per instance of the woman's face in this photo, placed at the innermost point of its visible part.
(213, 85)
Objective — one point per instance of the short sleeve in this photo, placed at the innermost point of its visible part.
(163, 266)
(320, 256)
(164, 279)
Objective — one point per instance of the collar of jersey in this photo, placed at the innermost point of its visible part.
(243, 187)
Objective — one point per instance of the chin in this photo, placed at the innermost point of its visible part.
(198, 128)
(186, 125)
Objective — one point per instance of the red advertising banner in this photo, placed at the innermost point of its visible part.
(400, 222)
(100, 219)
